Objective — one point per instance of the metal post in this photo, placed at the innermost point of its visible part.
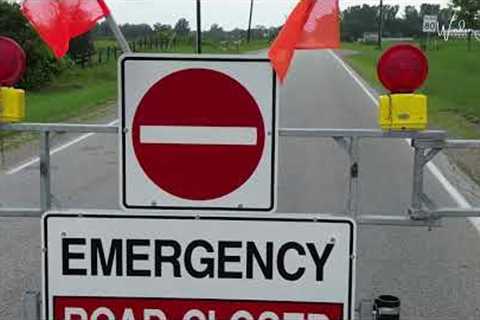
(45, 186)
(31, 305)
(353, 194)
(417, 191)
(249, 32)
(380, 24)
(118, 34)
(199, 27)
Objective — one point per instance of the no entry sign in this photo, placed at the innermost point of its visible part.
(198, 133)
(119, 267)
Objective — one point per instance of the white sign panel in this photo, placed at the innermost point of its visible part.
(198, 133)
(430, 23)
(119, 266)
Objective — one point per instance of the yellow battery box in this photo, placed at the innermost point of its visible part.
(403, 112)
(12, 105)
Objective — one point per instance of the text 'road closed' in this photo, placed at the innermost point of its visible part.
(72, 308)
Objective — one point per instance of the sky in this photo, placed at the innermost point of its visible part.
(229, 14)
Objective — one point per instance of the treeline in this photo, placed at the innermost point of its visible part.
(182, 29)
(358, 20)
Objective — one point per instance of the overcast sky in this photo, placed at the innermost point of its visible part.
(228, 13)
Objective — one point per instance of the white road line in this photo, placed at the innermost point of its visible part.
(55, 150)
(198, 135)
(451, 190)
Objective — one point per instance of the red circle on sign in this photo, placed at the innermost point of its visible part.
(403, 68)
(12, 62)
(208, 101)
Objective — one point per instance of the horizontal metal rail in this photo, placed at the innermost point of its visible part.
(455, 213)
(361, 133)
(58, 128)
(425, 143)
(462, 144)
(397, 220)
(284, 132)
(20, 212)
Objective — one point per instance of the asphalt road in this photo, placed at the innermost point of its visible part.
(435, 273)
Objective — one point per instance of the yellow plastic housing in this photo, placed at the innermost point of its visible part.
(403, 112)
(12, 105)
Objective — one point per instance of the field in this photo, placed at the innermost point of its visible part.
(452, 87)
(81, 93)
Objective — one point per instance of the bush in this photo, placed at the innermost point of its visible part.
(82, 45)
(42, 66)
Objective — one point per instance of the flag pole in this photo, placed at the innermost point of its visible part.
(123, 43)
(118, 34)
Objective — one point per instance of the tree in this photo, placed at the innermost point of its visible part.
(182, 27)
(135, 31)
(102, 30)
(445, 16)
(392, 25)
(163, 29)
(469, 11)
(357, 20)
(430, 9)
(215, 33)
(259, 32)
(81, 45)
(412, 22)
(237, 34)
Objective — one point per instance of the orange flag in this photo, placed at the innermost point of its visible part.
(313, 24)
(57, 22)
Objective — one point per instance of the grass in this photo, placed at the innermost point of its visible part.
(74, 93)
(78, 92)
(452, 87)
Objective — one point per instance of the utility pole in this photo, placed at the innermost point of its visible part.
(249, 32)
(199, 27)
(380, 24)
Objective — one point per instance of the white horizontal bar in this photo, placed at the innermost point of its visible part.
(198, 135)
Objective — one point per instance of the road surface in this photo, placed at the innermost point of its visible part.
(436, 274)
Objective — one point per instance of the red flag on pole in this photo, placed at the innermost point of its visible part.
(313, 24)
(58, 21)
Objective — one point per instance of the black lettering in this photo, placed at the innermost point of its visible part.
(223, 259)
(132, 257)
(320, 261)
(209, 270)
(67, 256)
(173, 259)
(115, 254)
(265, 265)
(281, 261)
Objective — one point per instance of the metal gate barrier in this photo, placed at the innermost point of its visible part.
(421, 212)
(426, 145)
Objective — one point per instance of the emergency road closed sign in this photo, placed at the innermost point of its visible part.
(198, 133)
(214, 268)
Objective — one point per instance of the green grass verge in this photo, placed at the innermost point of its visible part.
(75, 93)
(452, 87)
(78, 92)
